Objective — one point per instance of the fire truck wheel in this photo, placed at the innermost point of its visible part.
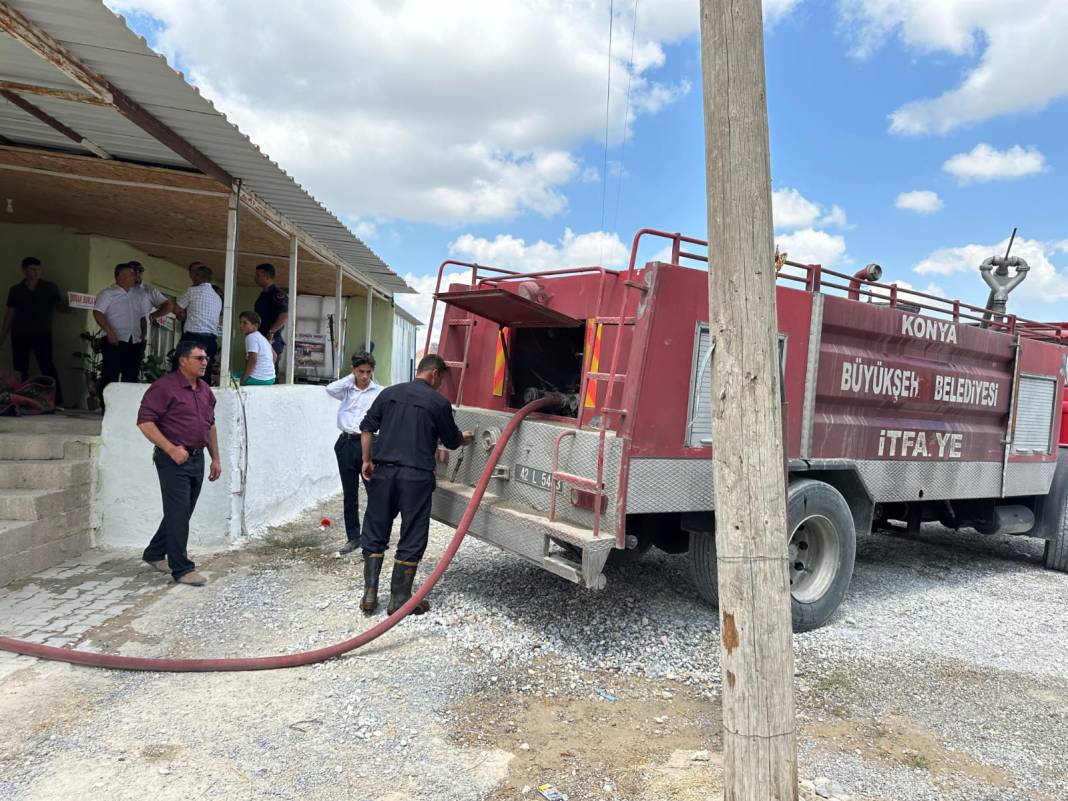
(822, 549)
(1056, 555)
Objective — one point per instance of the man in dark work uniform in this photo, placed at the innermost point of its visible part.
(30, 304)
(273, 308)
(410, 419)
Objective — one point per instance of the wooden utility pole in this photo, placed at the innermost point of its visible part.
(757, 661)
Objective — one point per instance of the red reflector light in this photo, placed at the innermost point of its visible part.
(584, 500)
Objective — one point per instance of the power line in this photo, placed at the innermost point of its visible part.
(626, 116)
(607, 108)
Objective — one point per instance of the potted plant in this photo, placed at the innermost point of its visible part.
(91, 361)
(154, 367)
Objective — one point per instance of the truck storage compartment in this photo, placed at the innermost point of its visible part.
(544, 361)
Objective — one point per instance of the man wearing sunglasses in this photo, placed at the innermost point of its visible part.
(177, 415)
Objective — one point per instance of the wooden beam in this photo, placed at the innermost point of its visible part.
(113, 181)
(229, 287)
(23, 30)
(53, 123)
(55, 94)
(756, 645)
(339, 345)
(291, 351)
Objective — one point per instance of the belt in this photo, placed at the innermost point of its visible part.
(357, 435)
(191, 451)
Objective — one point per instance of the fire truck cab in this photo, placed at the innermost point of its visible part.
(898, 406)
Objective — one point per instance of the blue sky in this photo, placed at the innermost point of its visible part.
(477, 132)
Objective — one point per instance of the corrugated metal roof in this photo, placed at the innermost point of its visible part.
(101, 41)
(400, 311)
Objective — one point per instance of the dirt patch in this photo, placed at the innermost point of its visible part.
(649, 740)
(894, 740)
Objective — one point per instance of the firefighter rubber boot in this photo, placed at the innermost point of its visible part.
(372, 567)
(400, 588)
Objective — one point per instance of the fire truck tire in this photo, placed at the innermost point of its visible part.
(1056, 555)
(1053, 523)
(822, 547)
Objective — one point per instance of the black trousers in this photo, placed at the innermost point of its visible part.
(395, 489)
(121, 362)
(40, 344)
(349, 453)
(179, 485)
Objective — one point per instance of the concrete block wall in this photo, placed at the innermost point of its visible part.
(46, 488)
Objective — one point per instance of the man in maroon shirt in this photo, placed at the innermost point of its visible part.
(177, 415)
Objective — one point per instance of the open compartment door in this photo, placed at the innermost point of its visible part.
(508, 309)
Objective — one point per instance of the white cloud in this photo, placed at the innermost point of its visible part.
(835, 218)
(1022, 63)
(790, 210)
(1045, 283)
(812, 246)
(776, 10)
(984, 163)
(931, 288)
(423, 110)
(921, 201)
(513, 253)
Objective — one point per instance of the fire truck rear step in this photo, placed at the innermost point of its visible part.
(527, 533)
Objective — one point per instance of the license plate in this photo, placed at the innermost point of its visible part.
(534, 477)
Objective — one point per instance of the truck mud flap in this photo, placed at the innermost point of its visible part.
(527, 534)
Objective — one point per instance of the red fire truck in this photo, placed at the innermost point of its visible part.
(899, 406)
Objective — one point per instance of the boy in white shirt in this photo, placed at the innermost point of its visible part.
(259, 361)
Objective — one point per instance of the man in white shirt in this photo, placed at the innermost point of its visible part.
(356, 392)
(199, 309)
(120, 312)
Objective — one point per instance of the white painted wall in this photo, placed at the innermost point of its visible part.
(404, 334)
(290, 465)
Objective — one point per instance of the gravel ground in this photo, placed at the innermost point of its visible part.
(944, 676)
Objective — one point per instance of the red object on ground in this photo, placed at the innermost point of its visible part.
(324, 522)
(306, 657)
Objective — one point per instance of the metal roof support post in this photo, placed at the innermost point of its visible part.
(367, 331)
(291, 361)
(339, 346)
(229, 284)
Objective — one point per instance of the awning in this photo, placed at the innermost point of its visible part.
(508, 309)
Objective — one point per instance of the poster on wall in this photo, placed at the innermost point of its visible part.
(309, 350)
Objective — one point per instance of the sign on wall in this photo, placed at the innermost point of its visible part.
(309, 349)
(81, 300)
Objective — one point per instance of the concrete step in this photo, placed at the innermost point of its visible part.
(15, 565)
(44, 473)
(40, 504)
(20, 535)
(20, 447)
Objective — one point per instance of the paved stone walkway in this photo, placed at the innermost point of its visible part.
(62, 605)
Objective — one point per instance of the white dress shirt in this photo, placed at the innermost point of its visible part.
(354, 402)
(124, 310)
(203, 307)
